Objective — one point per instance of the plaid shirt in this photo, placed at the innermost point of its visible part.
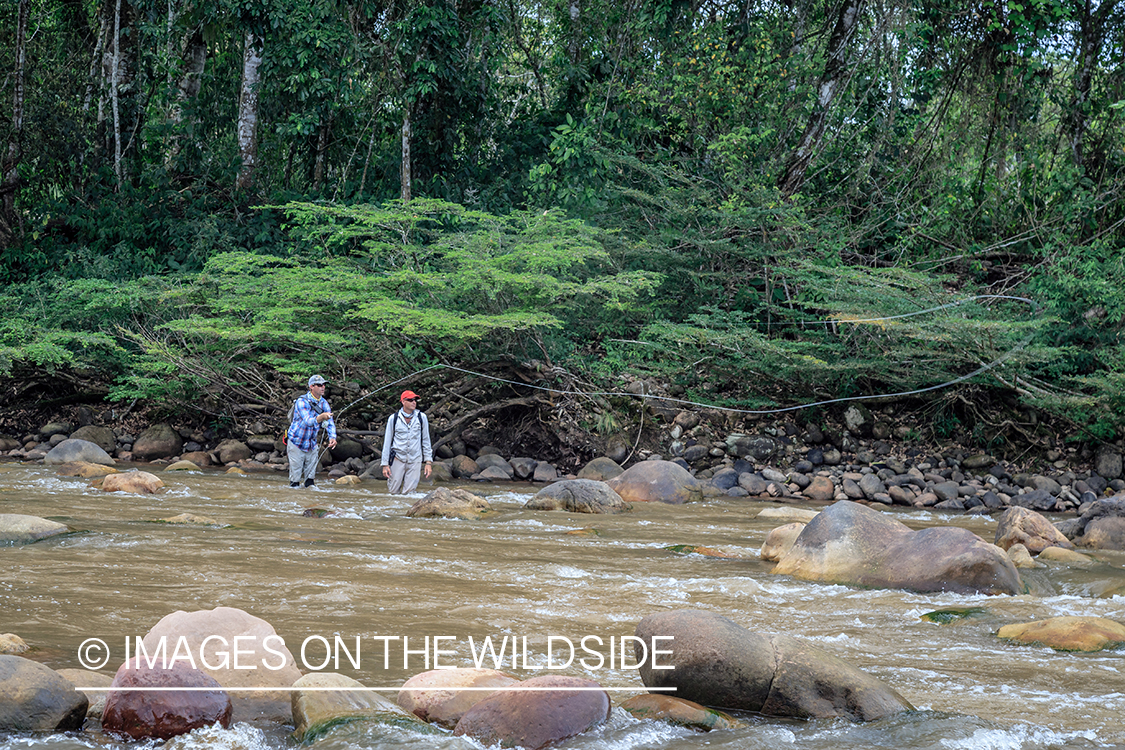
(303, 430)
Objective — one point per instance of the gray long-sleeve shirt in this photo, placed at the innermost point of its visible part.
(409, 437)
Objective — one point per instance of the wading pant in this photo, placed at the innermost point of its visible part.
(404, 477)
(302, 464)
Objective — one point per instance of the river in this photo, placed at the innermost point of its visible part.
(371, 571)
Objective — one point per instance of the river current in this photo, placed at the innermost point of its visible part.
(371, 573)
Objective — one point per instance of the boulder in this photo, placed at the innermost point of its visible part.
(191, 519)
(523, 467)
(263, 661)
(446, 503)
(199, 458)
(74, 449)
(787, 513)
(683, 713)
(493, 461)
(1068, 633)
(716, 662)
(760, 448)
(534, 719)
(20, 529)
(34, 698)
(1022, 526)
(779, 541)
(1107, 462)
(854, 545)
(1036, 500)
(439, 473)
(1101, 525)
(158, 441)
(657, 481)
(11, 644)
(821, 489)
(162, 714)
(464, 467)
(544, 472)
(317, 710)
(859, 420)
(85, 470)
(233, 451)
(1068, 556)
(491, 474)
(267, 442)
(182, 466)
(578, 496)
(429, 697)
(137, 482)
(51, 429)
(99, 436)
(84, 678)
(600, 469)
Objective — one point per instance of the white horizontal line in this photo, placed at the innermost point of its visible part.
(362, 689)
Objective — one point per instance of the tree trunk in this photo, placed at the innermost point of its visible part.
(319, 165)
(11, 177)
(187, 88)
(115, 91)
(406, 177)
(1091, 37)
(248, 110)
(832, 81)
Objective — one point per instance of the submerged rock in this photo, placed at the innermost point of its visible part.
(716, 662)
(137, 482)
(854, 545)
(683, 713)
(1068, 633)
(317, 711)
(16, 528)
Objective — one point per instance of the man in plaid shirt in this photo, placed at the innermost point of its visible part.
(309, 413)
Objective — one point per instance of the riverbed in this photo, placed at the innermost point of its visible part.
(368, 572)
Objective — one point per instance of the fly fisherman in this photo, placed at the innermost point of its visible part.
(310, 411)
(406, 447)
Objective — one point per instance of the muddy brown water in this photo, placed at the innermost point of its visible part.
(370, 571)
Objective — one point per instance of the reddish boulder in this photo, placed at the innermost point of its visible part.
(158, 713)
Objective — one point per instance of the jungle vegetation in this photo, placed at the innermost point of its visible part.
(761, 202)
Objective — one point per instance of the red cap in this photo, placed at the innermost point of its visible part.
(408, 394)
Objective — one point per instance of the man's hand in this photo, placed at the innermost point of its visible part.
(324, 415)
(332, 443)
(427, 469)
(386, 472)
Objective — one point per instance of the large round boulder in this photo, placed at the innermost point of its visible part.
(1019, 525)
(578, 496)
(35, 698)
(716, 662)
(450, 503)
(600, 469)
(324, 701)
(536, 718)
(137, 482)
(1067, 633)
(20, 529)
(779, 541)
(439, 696)
(99, 436)
(73, 449)
(263, 661)
(486, 461)
(232, 451)
(854, 545)
(657, 481)
(161, 714)
(158, 441)
(464, 467)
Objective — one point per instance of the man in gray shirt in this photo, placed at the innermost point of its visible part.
(407, 454)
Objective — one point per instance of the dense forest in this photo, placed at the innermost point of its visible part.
(757, 203)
